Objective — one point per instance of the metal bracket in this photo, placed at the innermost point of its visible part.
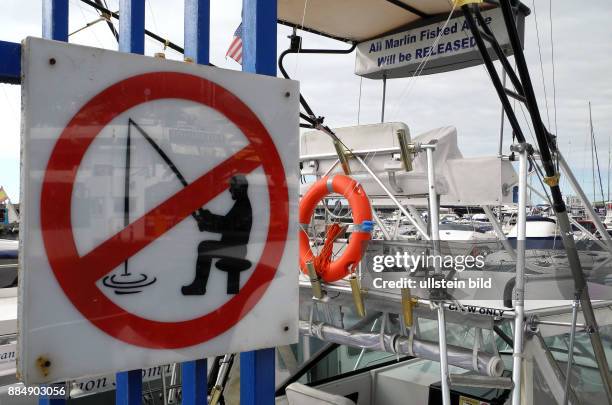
(522, 147)
(393, 182)
(553, 180)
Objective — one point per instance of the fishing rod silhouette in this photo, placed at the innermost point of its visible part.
(234, 227)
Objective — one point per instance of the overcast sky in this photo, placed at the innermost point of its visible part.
(582, 36)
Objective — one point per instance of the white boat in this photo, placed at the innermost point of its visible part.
(9, 252)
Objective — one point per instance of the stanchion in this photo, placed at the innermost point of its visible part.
(519, 289)
(434, 219)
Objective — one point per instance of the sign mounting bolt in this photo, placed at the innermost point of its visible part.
(43, 364)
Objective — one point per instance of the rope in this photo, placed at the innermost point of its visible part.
(535, 15)
(552, 57)
(324, 258)
(87, 25)
(359, 103)
(297, 55)
(423, 64)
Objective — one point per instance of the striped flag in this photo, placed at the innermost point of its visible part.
(235, 49)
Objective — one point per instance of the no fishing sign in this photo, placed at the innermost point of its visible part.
(159, 202)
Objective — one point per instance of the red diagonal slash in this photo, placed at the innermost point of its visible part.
(123, 245)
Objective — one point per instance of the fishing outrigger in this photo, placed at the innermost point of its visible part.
(423, 38)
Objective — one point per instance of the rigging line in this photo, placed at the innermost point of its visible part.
(359, 102)
(608, 199)
(423, 64)
(8, 100)
(152, 15)
(584, 156)
(552, 57)
(87, 25)
(596, 155)
(540, 176)
(297, 55)
(109, 23)
(535, 15)
(592, 158)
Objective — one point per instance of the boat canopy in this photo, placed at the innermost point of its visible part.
(361, 20)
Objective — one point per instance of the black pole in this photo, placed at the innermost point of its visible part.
(500, 53)
(546, 146)
(497, 83)
(153, 35)
(296, 47)
(108, 22)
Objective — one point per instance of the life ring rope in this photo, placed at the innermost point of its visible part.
(361, 210)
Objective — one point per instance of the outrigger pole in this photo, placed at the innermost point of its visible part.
(547, 148)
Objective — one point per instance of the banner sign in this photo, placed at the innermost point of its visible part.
(401, 54)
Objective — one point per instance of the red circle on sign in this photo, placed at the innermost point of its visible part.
(77, 274)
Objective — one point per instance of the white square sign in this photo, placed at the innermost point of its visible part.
(159, 204)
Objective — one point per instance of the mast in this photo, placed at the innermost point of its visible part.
(608, 199)
(596, 160)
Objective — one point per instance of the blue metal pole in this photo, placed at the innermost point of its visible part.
(259, 36)
(194, 382)
(54, 26)
(197, 48)
(129, 388)
(131, 39)
(10, 62)
(257, 377)
(55, 19)
(131, 26)
(197, 30)
(258, 56)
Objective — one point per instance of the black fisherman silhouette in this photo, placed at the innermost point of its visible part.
(231, 250)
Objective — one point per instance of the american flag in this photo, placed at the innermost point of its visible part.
(235, 49)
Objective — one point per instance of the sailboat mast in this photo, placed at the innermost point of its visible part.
(608, 199)
(592, 153)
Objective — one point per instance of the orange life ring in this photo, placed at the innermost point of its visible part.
(362, 218)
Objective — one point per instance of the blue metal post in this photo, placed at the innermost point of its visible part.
(194, 382)
(10, 62)
(258, 56)
(131, 39)
(55, 19)
(257, 377)
(129, 388)
(197, 30)
(197, 47)
(54, 26)
(259, 36)
(131, 26)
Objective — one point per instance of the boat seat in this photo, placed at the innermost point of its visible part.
(300, 394)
